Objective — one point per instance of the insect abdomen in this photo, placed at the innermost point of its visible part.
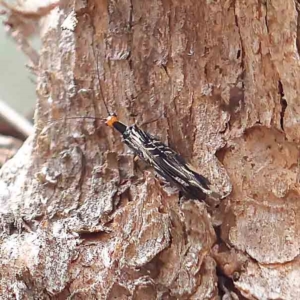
(167, 163)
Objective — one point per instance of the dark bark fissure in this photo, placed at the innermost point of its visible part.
(266, 16)
(237, 93)
(283, 104)
(297, 4)
(164, 66)
(225, 283)
(130, 24)
(89, 236)
(240, 52)
(227, 290)
(130, 33)
(298, 166)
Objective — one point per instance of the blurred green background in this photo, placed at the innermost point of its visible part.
(16, 81)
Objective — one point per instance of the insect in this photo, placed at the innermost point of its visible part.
(166, 162)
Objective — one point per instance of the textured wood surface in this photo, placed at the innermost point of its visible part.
(81, 220)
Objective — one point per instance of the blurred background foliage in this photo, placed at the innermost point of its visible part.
(17, 87)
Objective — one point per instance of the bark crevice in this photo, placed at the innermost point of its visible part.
(297, 4)
(283, 104)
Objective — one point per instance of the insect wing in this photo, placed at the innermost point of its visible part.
(166, 162)
(174, 166)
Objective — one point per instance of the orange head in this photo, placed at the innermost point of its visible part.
(110, 120)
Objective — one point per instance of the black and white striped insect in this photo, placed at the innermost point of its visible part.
(166, 162)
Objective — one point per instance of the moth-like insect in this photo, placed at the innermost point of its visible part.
(166, 162)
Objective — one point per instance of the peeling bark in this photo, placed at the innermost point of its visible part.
(81, 219)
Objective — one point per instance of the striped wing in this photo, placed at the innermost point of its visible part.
(167, 163)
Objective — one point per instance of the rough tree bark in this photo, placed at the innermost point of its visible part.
(80, 221)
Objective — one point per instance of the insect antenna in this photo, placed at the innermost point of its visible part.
(76, 118)
(86, 117)
(101, 94)
(152, 120)
(99, 81)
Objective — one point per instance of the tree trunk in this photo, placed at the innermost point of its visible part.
(82, 220)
